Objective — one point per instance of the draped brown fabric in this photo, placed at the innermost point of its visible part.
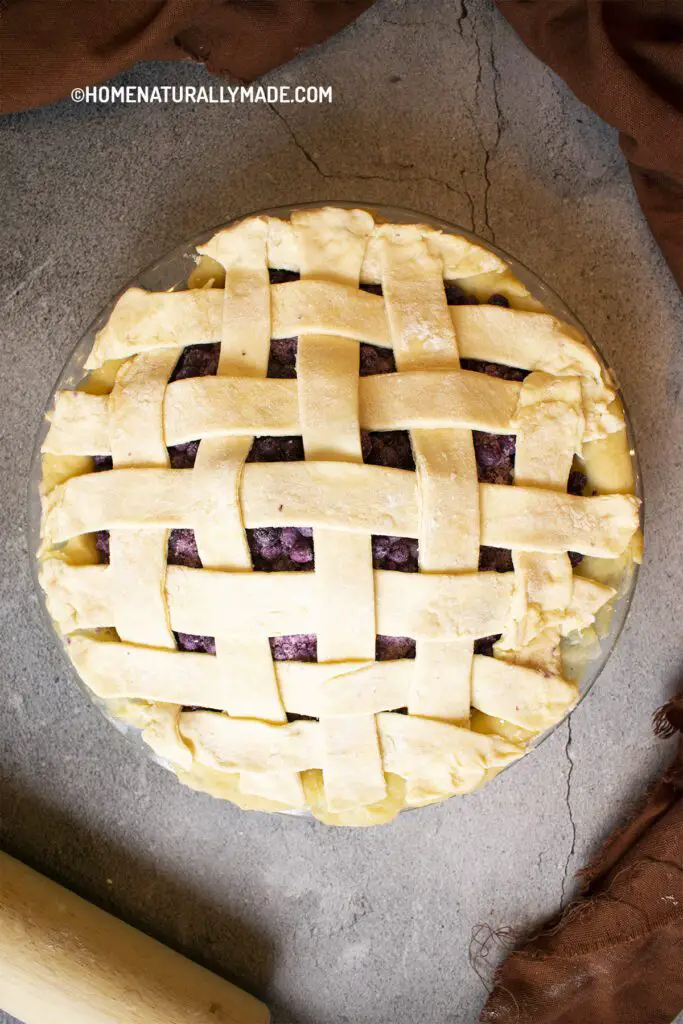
(49, 47)
(616, 955)
(623, 58)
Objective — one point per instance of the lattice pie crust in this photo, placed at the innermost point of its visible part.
(352, 753)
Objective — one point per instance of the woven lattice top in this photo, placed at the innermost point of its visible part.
(265, 729)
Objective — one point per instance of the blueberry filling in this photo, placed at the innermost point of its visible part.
(282, 276)
(455, 296)
(182, 456)
(282, 358)
(393, 648)
(495, 560)
(182, 549)
(291, 549)
(281, 549)
(398, 553)
(276, 449)
(485, 645)
(495, 457)
(494, 369)
(299, 647)
(375, 360)
(197, 361)
(390, 448)
(191, 642)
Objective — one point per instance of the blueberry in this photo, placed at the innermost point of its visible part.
(380, 546)
(400, 552)
(301, 552)
(290, 536)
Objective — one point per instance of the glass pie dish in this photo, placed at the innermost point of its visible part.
(607, 466)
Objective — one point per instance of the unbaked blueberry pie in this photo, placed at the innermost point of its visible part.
(322, 524)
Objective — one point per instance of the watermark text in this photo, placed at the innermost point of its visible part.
(218, 94)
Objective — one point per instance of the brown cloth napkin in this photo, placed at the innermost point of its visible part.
(623, 58)
(49, 47)
(616, 955)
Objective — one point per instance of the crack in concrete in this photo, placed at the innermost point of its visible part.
(491, 151)
(462, 193)
(568, 802)
(487, 151)
(304, 152)
(463, 15)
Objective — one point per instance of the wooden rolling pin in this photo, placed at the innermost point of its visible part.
(64, 961)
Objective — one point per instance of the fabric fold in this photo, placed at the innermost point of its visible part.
(615, 955)
(625, 61)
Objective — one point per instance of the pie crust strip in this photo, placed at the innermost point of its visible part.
(448, 493)
(436, 606)
(341, 496)
(137, 558)
(550, 424)
(218, 524)
(202, 407)
(338, 693)
(331, 247)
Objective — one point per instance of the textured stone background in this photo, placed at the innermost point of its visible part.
(450, 115)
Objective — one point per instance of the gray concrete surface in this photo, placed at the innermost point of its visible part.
(450, 115)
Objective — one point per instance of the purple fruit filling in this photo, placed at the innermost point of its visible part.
(455, 296)
(197, 361)
(282, 358)
(182, 549)
(191, 642)
(495, 457)
(277, 449)
(375, 360)
(281, 549)
(299, 647)
(494, 369)
(387, 448)
(485, 645)
(282, 276)
(183, 456)
(398, 553)
(495, 560)
(102, 544)
(291, 549)
(393, 648)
